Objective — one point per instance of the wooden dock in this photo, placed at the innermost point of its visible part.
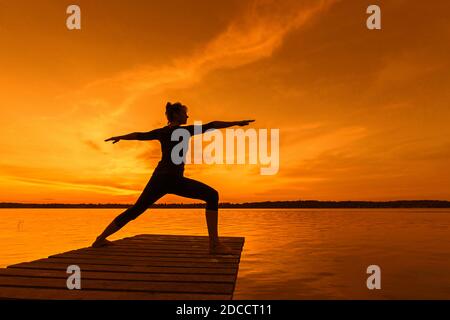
(143, 267)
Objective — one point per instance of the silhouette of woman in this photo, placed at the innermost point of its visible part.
(168, 177)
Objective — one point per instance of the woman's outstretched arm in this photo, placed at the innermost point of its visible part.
(215, 125)
(225, 124)
(150, 135)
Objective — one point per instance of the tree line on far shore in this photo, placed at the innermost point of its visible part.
(254, 205)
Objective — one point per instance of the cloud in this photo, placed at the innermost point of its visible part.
(255, 34)
(65, 185)
(328, 139)
(94, 146)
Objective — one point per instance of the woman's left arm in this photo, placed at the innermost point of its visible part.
(195, 129)
(225, 124)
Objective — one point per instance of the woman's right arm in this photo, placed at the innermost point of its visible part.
(150, 135)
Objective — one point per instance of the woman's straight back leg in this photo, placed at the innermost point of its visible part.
(151, 193)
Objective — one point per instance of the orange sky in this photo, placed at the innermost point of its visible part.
(362, 114)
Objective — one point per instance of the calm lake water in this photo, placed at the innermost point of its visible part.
(288, 253)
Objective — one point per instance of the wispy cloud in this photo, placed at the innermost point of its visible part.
(255, 34)
(64, 185)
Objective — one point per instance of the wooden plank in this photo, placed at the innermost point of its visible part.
(182, 237)
(202, 240)
(59, 294)
(174, 247)
(160, 251)
(119, 285)
(84, 255)
(156, 240)
(61, 273)
(109, 251)
(118, 268)
(151, 241)
(132, 262)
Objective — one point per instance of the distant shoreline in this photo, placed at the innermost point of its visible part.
(306, 204)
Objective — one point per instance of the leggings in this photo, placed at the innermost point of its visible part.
(162, 184)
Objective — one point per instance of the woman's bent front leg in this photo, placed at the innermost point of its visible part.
(194, 189)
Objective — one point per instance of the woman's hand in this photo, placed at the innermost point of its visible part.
(244, 122)
(113, 139)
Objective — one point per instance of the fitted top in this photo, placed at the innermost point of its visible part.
(164, 136)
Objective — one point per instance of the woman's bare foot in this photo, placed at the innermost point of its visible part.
(219, 248)
(101, 243)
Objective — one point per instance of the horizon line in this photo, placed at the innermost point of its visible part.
(254, 204)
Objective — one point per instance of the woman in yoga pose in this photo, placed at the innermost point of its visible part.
(168, 178)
